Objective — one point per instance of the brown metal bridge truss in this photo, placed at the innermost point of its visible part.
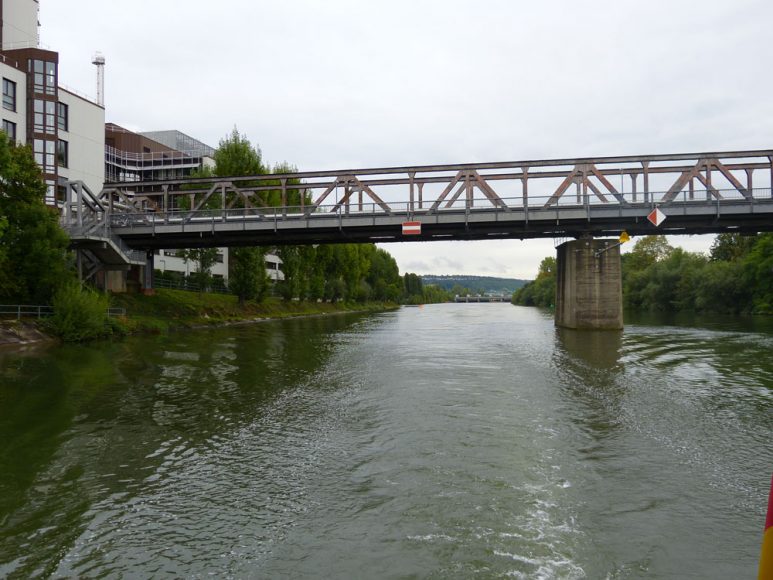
(700, 193)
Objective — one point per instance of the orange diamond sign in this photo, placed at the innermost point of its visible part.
(656, 217)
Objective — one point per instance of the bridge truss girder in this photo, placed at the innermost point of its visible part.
(701, 193)
(469, 184)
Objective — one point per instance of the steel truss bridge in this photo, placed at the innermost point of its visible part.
(699, 193)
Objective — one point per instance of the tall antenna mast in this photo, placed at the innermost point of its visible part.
(99, 61)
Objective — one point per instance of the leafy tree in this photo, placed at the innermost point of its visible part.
(758, 267)
(731, 247)
(235, 156)
(722, 288)
(33, 248)
(413, 286)
(203, 260)
(433, 294)
(247, 277)
(648, 250)
(292, 267)
(542, 290)
(384, 277)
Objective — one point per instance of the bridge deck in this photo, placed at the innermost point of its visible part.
(290, 226)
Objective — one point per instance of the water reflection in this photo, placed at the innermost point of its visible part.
(595, 348)
(86, 430)
(589, 365)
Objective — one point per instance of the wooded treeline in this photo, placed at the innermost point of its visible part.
(736, 277)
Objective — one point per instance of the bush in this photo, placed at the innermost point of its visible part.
(79, 313)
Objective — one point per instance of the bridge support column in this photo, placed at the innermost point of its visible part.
(147, 278)
(589, 289)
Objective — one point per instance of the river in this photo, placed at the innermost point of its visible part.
(446, 441)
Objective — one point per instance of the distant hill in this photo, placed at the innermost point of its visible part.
(488, 284)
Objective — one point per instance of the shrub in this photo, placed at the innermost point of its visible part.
(79, 313)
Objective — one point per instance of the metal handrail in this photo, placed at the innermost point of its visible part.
(533, 204)
(40, 311)
(187, 286)
(26, 310)
(153, 155)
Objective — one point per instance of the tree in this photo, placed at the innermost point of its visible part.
(758, 267)
(247, 277)
(414, 288)
(384, 276)
(203, 259)
(542, 290)
(648, 250)
(731, 247)
(33, 248)
(235, 156)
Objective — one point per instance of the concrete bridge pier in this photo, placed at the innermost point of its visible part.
(589, 287)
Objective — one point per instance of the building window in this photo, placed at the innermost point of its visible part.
(43, 76)
(61, 153)
(50, 193)
(45, 112)
(9, 129)
(9, 95)
(44, 154)
(62, 116)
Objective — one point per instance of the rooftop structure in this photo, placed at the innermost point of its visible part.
(181, 142)
(131, 156)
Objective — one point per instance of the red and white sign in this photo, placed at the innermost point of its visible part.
(656, 217)
(411, 228)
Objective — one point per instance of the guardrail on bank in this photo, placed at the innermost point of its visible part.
(187, 286)
(19, 311)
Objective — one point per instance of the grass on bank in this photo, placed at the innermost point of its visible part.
(169, 309)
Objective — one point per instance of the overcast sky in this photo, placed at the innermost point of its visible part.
(335, 84)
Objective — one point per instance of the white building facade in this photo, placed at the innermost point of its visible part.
(65, 130)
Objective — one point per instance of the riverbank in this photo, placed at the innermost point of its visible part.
(20, 333)
(175, 309)
(169, 310)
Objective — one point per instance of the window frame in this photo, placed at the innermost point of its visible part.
(62, 153)
(44, 151)
(9, 100)
(43, 76)
(12, 126)
(62, 116)
(44, 117)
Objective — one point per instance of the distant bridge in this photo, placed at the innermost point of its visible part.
(487, 298)
(699, 193)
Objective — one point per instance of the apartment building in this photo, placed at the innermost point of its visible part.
(64, 128)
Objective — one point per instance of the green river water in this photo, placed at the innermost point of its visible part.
(448, 441)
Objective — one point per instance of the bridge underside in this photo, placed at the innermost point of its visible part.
(153, 232)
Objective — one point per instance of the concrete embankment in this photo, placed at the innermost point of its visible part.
(20, 333)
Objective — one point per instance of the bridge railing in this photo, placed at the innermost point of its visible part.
(532, 205)
(19, 311)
